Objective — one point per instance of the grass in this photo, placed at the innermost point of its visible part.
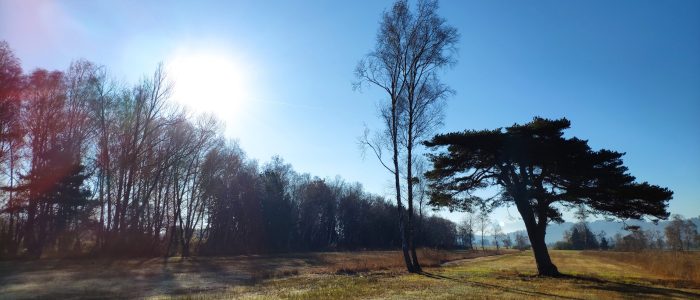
(352, 276)
(65, 278)
(510, 276)
(680, 268)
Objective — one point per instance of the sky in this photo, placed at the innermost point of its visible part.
(280, 73)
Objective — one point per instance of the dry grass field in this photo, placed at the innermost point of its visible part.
(54, 278)
(375, 274)
(676, 267)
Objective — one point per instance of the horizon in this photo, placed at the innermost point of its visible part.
(625, 74)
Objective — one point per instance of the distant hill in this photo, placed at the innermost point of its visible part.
(555, 232)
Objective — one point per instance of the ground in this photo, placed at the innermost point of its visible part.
(510, 275)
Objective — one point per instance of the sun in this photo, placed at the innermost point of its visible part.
(209, 82)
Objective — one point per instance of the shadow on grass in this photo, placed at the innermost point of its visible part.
(627, 289)
(498, 287)
(632, 289)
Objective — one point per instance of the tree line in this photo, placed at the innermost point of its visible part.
(489, 233)
(679, 234)
(92, 166)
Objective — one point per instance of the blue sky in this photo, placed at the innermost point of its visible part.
(626, 73)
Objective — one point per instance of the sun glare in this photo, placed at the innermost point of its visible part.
(209, 82)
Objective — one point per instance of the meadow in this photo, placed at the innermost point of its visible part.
(353, 275)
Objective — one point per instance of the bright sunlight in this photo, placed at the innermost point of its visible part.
(209, 82)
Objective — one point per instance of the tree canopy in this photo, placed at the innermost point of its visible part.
(539, 171)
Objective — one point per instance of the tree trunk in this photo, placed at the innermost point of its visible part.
(536, 233)
(409, 181)
(29, 236)
(397, 181)
(545, 267)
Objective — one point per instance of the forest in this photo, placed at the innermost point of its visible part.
(91, 166)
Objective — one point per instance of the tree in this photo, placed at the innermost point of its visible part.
(497, 233)
(603, 241)
(536, 168)
(429, 47)
(577, 239)
(507, 241)
(45, 121)
(442, 233)
(673, 233)
(680, 233)
(11, 138)
(382, 68)
(411, 48)
(689, 233)
(10, 91)
(466, 231)
(656, 240)
(277, 205)
(482, 223)
(521, 241)
(604, 244)
(317, 221)
(636, 240)
(580, 237)
(588, 238)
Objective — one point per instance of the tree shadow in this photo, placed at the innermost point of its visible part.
(631, 289)
(627, 289)
(498, 287)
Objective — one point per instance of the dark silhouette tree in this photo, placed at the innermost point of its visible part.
(161, 181)
(604, 244)
(277, 206)
(577, 239)
(317, 222)
(537, 168)
(11, 83)
(11, 139)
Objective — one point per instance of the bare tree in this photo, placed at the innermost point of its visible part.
(482, 224)
(507, 241)
(430, 45)
(382, 68)
(123, 170)
(411, 48)
(466, 231)
(11, 140)
(521, 241)
(497, 232)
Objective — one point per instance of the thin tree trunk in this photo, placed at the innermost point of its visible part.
(397, 181)
(409, 181)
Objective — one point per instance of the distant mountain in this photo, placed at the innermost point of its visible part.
(555, 232)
